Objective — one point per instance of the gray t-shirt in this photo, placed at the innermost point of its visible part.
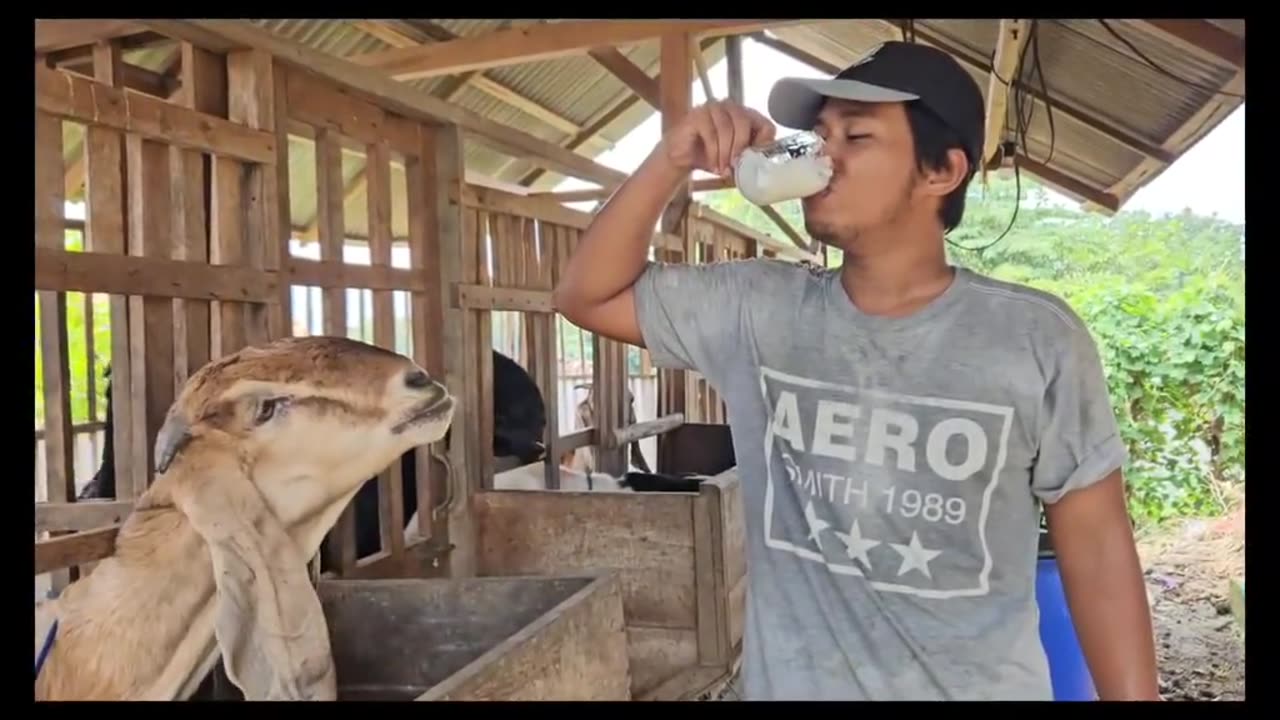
(890, 471)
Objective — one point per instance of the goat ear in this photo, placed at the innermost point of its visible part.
(173, 436)
(268, 620)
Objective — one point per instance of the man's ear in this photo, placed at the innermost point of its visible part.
(268, 620)
(941, 181)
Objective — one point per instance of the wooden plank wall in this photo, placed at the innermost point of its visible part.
(680, 559)
(165, 182)
(187, 231)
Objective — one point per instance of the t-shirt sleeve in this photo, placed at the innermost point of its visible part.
(1079, 437)
(689, 315)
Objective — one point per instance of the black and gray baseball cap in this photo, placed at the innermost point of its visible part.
(891, 72)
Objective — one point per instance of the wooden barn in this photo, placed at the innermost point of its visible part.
(205, 185)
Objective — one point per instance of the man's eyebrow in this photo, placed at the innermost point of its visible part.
(848, 110)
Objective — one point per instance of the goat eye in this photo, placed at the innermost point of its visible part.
(267, 409)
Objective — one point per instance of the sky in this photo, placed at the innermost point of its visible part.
(1208, 179)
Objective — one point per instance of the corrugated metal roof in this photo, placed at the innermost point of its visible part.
(1120, 101)
(1087, 72)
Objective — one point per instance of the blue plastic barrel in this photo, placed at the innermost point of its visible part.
(1067, 668)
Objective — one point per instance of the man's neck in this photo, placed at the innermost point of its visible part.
(895, 278)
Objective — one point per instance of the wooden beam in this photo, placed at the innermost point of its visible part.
(786, 228)
(82, 515)
(105, 54)
(1067, 184)
(568, 196)
(159, 84)
(676, 88)
(388, 93)
(1009, 43)
(1203, 38)
(606, 118)
(400, 39)
(77, 549)
(67, 95)
(542, 42)
(54, 35)
(795, 53)
(629, 73)
(105, 272)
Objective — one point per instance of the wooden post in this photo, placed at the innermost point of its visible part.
(676, 93)
(456, 345)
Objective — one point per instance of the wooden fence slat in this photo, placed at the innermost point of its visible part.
(228, 320)
(425, 315)
(106, 212)
(335, 274)
(483, 297)
(251, 102)
(56, 372)
(80, 515)
(70, 96)
(331, 226)
(378, 194)
(155, 277)
(71, 550)
(151, 318)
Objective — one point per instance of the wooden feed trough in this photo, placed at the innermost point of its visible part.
(508, 638)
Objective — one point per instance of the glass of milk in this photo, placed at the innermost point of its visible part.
(791, 167)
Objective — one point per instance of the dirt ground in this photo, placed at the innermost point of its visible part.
(1199, 645)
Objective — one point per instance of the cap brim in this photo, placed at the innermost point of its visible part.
(796, 102)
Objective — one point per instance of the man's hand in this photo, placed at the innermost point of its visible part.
(711, 137)
(1093, 540)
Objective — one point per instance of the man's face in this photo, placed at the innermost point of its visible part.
(873, 171)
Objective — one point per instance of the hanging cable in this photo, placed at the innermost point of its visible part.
(1161, 70)
(1023, 109)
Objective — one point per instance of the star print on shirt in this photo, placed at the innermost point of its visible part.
(816, 524)
(856, 545)
(915, 556)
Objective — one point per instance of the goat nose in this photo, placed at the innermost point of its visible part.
(417, 379)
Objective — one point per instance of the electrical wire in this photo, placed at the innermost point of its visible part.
(1158, 68)
(1023, 109)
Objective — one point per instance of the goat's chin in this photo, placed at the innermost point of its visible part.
(424, 432)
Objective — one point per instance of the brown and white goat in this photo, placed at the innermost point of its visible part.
(255, 462)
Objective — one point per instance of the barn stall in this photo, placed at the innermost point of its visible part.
(247, 180)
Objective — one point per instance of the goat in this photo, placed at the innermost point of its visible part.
(255, 461)
(520, 418)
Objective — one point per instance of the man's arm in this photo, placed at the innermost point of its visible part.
(1078, 476)
(596, 290)
(1101, 573)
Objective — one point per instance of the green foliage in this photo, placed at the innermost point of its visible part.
(1164, 299)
